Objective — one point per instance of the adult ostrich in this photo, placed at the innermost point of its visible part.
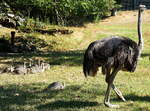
(113, 54)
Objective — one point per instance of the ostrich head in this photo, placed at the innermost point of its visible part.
(142, 8)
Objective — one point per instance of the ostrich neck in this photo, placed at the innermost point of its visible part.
(140, 42)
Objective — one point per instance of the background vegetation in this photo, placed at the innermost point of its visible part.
(62, 12)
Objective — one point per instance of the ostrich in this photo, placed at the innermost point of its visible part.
(113, 54)
(21, 69)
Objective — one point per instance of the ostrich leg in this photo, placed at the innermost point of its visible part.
(118, 92)
(110, 83)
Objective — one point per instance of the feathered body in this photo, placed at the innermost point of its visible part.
(111, 52)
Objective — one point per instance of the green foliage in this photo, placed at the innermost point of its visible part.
(63, 12)
(30, 25)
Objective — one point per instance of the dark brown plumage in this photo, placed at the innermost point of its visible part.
(113, 54)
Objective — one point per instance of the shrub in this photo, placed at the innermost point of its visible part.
(63, 12)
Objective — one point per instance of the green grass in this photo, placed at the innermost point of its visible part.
(65, 54)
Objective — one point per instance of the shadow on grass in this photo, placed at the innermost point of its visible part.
(67, 104)
(145, 55)
(54, 57)
(132, 97)
(19, 97)
(68, 58)
(18, 92)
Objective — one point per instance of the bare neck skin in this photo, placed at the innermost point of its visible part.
(140, 42)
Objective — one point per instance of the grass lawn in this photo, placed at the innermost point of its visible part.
(65, 55)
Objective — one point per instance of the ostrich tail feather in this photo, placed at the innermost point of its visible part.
(89, 67)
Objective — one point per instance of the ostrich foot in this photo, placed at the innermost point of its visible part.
(118, 92)
(111, 105)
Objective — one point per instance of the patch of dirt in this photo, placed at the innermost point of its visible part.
(127, 17)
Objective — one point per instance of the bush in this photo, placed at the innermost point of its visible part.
(63, 12)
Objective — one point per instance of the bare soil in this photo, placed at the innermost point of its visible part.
(127, 17)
